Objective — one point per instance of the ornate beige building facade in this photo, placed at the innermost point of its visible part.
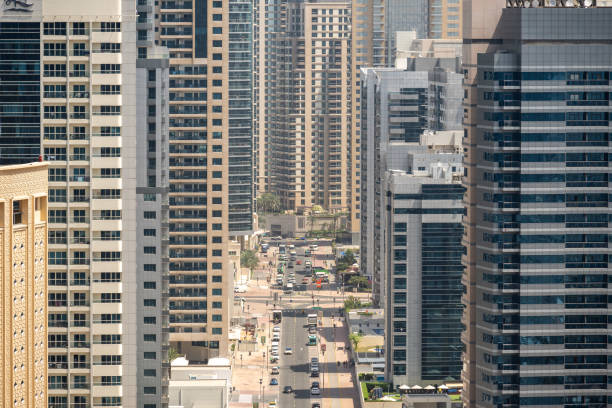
(23, 267)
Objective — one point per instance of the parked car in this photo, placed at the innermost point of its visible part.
(275, 370)
(287, 389)
(273, 381)
(315, 391)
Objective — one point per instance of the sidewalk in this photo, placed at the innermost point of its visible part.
(339, 390)
(249, 369)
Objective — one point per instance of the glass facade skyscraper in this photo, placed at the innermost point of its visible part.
(421, 247)
(539, 298)
(20, 95)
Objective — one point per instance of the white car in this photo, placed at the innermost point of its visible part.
(315, 391)
(274, 343)
(288, 350)
(276, 329)
(274, 353)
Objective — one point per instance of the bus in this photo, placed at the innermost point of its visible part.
(277, 316)
(282, 249)
(312, 320)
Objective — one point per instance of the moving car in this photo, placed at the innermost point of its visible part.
(287, 389)
(288, 350)
(314, 372)
(315, 384)
(316, 405)
(273, 381)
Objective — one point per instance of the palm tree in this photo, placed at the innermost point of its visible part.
(268, 203)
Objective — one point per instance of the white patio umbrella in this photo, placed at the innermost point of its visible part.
(404, 387)
(443, 387)
(417, 387)
(430, 387)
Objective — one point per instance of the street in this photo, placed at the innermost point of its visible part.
(336, 383)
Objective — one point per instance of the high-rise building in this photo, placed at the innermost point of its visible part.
(537, 227)
(445, 19)
(152, 195)
(421, 250)
(23, 267)
(369, 46)
(210, 161)
(398, 106)
(68, 78)
(308, 103)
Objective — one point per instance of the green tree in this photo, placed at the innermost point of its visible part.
(355, 339)
(359, 281)
(352, 302)
(345, 261)
(249, 259)
(268, 203)
(172, 354)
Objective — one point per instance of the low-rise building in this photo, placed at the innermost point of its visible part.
(200, 386)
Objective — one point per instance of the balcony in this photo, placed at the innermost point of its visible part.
(79, 282)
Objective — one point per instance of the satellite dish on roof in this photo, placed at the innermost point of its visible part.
(535, 3)
(588, 3)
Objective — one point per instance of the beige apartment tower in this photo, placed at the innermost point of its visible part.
(23, 267)
(210, 161)
(308, 119)
(445, 19)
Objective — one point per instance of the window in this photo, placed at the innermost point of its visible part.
(217, 330)
(149, 320)
(150, 250)
(150, 355)
(150, 302)
(150, 215)
(151, 372)
(150, 267)
(217, 305)
(149, 285)
(150, 390)
(216, 278)
(216, 292)
(150, 337)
